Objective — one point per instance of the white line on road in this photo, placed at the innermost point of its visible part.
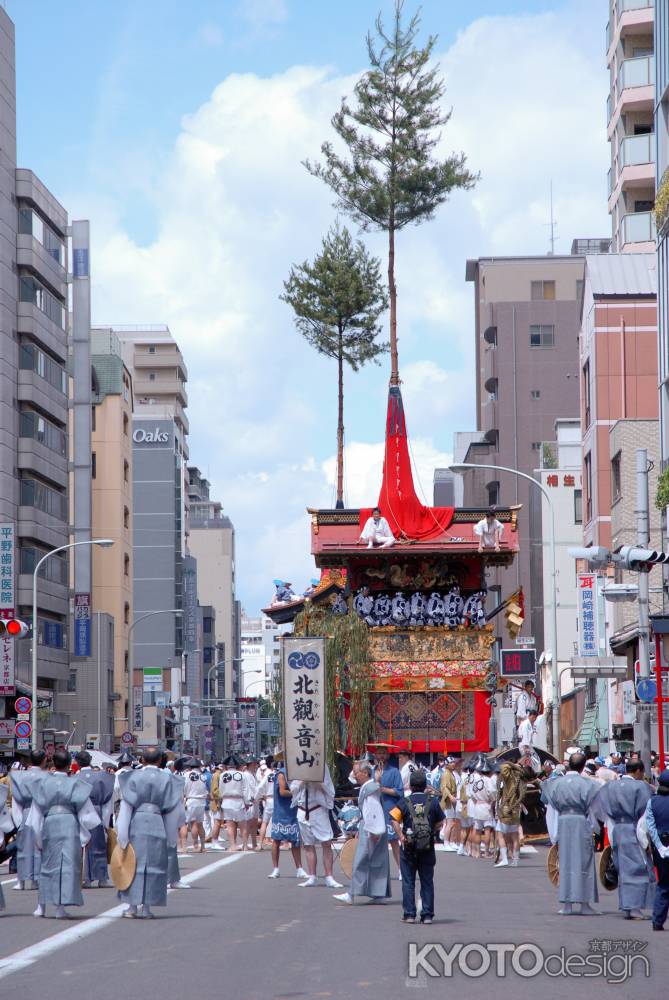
(8, 881)
(27, 956)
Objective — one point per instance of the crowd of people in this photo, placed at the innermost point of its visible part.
(60, 814)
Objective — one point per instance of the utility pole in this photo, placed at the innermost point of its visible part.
(643, 540)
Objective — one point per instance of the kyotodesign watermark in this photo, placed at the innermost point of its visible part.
(614, 960)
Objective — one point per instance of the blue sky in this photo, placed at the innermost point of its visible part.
(178, 129)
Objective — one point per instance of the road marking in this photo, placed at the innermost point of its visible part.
(8, 881)
(27, 956)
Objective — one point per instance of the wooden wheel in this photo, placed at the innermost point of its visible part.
(346, 856)
(553, 864)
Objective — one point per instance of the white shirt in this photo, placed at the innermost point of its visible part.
(373, 819)
(526, 733)
(489, 533)
(405, 773)
(376, 530)
(525, 703)
(195, 786)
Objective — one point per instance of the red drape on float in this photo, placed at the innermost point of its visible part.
(398, 503)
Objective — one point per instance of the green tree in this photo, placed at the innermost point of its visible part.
(391, 178)
(337, 300)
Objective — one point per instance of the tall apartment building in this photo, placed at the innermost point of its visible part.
(662, 175)
(630, 124)
(526, 311)
(212, 542)
(33, 403)
(112, 407)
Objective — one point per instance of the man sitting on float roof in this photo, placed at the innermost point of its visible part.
(377, 531)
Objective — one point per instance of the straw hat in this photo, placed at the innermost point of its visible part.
(122, 866)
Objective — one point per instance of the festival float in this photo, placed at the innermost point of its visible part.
(409, 636)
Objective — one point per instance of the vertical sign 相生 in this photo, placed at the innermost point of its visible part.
(588, 632)
(7, 569)
(303, 677)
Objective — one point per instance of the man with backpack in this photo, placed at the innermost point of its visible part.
(415, 819)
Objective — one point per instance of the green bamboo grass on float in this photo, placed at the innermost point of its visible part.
(347, 676)
(662, 203)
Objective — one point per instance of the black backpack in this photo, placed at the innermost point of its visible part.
(421, 838)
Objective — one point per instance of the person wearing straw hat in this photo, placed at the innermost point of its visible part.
(151, 802)
(62, 817)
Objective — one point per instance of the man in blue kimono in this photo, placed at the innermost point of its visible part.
(371, 870)
(624, 803)
(148, 818)
(102, 798)
(571, 797)
(657, 824)
(392, 790)
(27, 854)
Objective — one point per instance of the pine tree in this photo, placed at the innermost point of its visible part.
(337, 301)
(391, 178)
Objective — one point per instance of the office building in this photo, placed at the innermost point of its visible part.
(662, 175)
(212, 543)
(33, 408)
(630, 124)
(526, 330)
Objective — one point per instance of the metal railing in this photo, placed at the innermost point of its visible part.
(624, 5)
(636, 72)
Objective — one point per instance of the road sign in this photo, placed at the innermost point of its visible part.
(22, 705)
(127, 737)
(646, 689)
(23, 730)
(23, 744)
(518, 663)
(525, 640)
(23, 717)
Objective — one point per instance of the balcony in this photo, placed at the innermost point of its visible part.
(636, 72)
(634, 91)
(624, 5)
(638, 227)
(637, 149)
(634, 167)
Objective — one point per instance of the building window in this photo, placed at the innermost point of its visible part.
(578, 506)
(535, 394)
(33, 292)
(587, 484)
(493, 494)
(579, 289)
(126, 517)
(615, 478)
(125, 424)
(31, 358)
(586, 394)
(126, 472)
(152, 350)
(94, 465)
(71, 681)
(152, 376)
(543, 290)
(35, 494)
(31, 425)
(93, 408)
(542, 335)
(126, 565)
(536, 446)
(31, 224)
(54, 569)
(206, 623)
(126, 613)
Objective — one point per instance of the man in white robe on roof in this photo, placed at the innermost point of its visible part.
(377, 531)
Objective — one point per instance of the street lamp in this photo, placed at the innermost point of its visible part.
(555, 683)
(260, 681)
(103, 543)
(215, 666)
(131, 665)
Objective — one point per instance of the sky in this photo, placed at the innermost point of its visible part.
(179, 129)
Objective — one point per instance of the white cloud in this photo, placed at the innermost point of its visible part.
(263, 12)
(235, 208)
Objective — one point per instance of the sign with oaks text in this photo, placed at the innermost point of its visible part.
(303, 687)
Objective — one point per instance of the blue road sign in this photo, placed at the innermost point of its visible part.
(646, 689)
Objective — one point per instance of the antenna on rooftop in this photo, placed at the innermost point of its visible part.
(552, 226)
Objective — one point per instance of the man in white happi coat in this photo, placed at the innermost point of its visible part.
(234, 790)
(526, 703)
(571, 798)
(481, 792)
(196, 797)
(377, 531)
(314, 800)
(265, 798)
(527, 730)
(252, 808)
(6, 826)
(407, 767)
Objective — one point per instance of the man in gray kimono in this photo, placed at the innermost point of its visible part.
(371, 867)
(148, 819)
(62, 817)
(27, 855)
(572, 797)
(102, 798)
(623, 803)
(6, 826)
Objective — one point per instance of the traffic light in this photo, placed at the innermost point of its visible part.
(13, 628)
(594, 555)
(640, 560)
(514, 613)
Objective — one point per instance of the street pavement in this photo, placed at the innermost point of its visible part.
(237, 934)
